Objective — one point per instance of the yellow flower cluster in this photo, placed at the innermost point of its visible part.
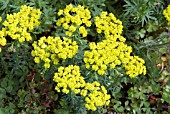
(74, 18)
(18, 25)
(69, 79)
(53, 48)
(166, 13)
(102, 55)
(109, 26)
(98, 96)
(110, 53)
(2, 39)
(135, 66)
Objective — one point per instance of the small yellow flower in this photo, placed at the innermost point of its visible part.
(95, 67)
(47, 65)
(60, 12)
(101, 72)
(37, 60)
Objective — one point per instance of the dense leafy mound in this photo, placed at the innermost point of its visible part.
(84, 56)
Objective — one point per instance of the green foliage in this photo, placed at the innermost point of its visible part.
(165, 94)
(27, 87)
(141, 11)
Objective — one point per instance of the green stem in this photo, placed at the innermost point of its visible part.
(158, 45)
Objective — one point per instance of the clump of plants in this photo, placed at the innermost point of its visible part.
(80, 60)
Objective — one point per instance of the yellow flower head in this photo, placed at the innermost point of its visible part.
(18, 25)
(111, 53)
(166, 13)
(74, 18)
(52, 49)
(135, 66)
(101, 55)
(97, 97)
(69, 78)
(109, 26)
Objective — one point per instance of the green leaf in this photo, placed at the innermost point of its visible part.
(120, 109)
(1, 112)
(4, 83)
(4, 4)
(61, 111)
(9, 89)
(126, 103)
(2, 93)
(166, 94)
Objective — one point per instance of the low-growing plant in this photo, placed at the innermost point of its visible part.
(77, 57)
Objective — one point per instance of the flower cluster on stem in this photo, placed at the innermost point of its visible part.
(112, 51)
(166, 13)
(73, 19)
(69, 79)
(109, 26)
(18, 25)
(52, 49)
